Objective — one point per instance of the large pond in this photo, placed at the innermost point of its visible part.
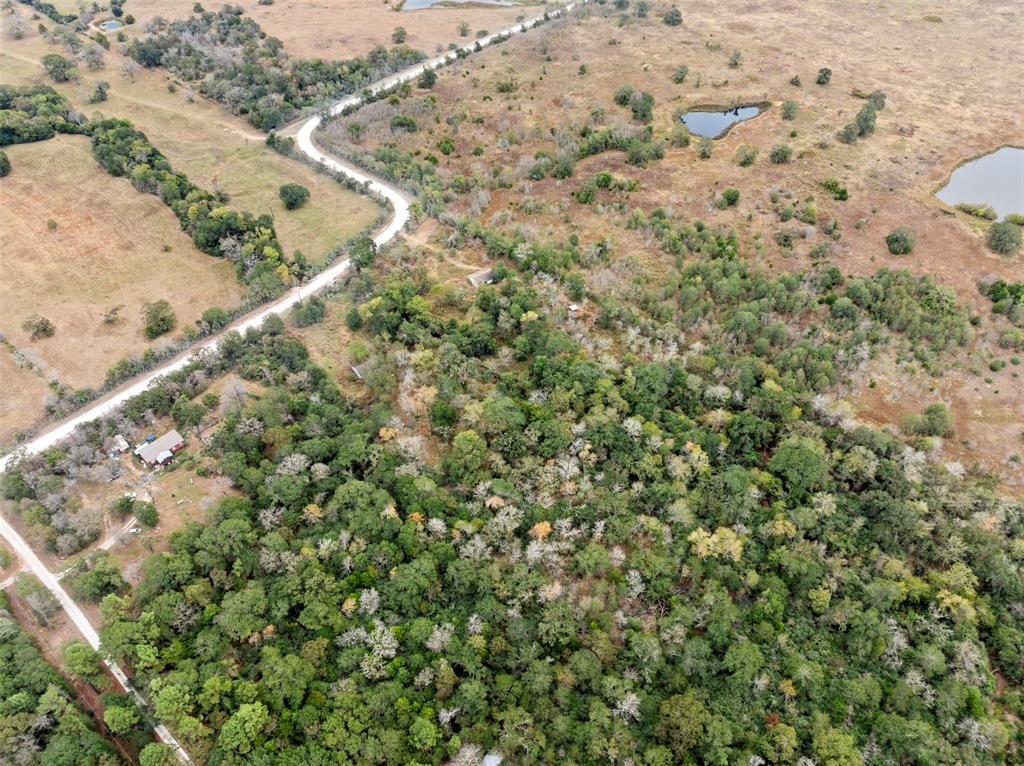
(110, 25)
(996, 180)
(415, 5)
(714, 124)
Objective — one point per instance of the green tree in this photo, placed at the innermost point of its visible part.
(121, 720)
(242, 731)
(681, 722)
(59, 68)
(146, 514)
(83, 661)
(673, 17)
(159, 318)
(293, 195)
(800, 462)
(780, 154)
(5, 165)
(466, 461)
(1003, 237)
(155, 754)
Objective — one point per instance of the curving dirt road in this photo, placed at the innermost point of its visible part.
(399, 202)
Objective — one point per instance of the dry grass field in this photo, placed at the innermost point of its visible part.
(22, 396)
(111, 246)
(339, 29)
(108, 248)
(215, 149)
(941, 108)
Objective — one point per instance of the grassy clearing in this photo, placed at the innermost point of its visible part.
(21, 397)
(111, 246)
(216, 150)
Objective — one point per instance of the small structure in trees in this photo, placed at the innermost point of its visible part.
(154, 452)
(120, 444)
(482, 277)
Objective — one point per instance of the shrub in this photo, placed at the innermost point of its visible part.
(5, 165)
(146, 514)
(673, 17)
(403, 122)
(729, 198)
(623, 95)
(159, 318)
(398, 36)
(680, 135)
(704, 148)
(99, 94)
(428, 79)
(900, 241)
(978, 211)
(824, 76)
(935, 420)
(789, 109)
(865, 120)
(745, 155)
(735, 60)
(832, 186)
(680, 76)
(795, 81)
(293, 195)
(1004, 238)
(38, 327)
(308, 312)
(780, 154)
(446, 145)
(1015, 218)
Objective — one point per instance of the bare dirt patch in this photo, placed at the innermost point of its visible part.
(340, 29)
(110, 246)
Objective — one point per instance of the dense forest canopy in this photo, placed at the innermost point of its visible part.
(684, 559)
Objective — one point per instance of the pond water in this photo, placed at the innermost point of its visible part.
(996, 180)
(415, 5)
(714, 124)
(110, 25)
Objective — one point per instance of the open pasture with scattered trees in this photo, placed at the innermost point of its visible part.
(516, 136)
(343, 29)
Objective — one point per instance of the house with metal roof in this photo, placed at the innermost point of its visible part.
(160, 451)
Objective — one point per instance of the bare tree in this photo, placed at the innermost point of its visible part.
(129, 69)
(15, 27)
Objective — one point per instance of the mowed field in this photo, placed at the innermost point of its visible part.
(112, 246)
(340, 29)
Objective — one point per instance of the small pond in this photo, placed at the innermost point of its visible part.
(996, 180)
(714, 124)
(415, 5)
(110, 25)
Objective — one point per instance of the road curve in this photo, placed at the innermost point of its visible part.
(399, 202)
